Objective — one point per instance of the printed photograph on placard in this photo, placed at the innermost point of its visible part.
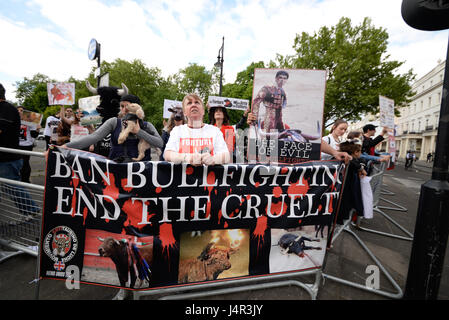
(297, 249)
(88, 106)
(117, 259)
(213, 254)
(288, 105)
(171, 107)
(61, 93)
(31, 118)
(386, 112)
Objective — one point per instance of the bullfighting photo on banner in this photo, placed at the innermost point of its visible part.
(288, 105)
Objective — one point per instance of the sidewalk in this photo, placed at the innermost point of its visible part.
(421, 165)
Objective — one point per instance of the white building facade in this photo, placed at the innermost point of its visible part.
(417, 126)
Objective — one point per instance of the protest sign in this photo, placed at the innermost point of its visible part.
(168, 224)
(170, 104)
(228, 103)
(61, 93)
(386, 112)
(89, 106)
(288, 104)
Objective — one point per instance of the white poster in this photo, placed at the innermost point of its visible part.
(61, 93)
(386, 106)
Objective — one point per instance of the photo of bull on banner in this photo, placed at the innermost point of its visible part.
(288, 105)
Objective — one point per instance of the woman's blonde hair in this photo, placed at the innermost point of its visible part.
(191, 96)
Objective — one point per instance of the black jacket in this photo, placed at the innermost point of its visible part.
(368, 144)
(10, 130)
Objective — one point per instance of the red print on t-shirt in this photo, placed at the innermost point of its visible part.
(196, 145)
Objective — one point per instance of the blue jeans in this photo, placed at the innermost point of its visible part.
(20, 196)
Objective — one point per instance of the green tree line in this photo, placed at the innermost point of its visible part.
(358, 67)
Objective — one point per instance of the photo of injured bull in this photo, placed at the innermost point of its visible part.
(117, 259)
(213, 254)
(297, 249)
(288, 105)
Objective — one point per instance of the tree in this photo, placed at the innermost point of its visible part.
(32, 93)
(357, 65)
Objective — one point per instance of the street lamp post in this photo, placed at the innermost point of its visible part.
(432, 220)
(219, 63)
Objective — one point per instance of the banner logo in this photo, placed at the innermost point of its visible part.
(60, 245)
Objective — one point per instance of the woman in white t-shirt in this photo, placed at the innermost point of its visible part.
(334, 137)
(195, 142)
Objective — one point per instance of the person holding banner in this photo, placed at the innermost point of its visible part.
(195, 142)
(28, 132)
(51, 125)
(369, 143)
(122, 152)
(334, 138)
(70, 127)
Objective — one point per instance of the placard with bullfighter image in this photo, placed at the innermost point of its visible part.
(147, 225)
(288, 105)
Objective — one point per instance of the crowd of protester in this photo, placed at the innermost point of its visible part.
(185, 138)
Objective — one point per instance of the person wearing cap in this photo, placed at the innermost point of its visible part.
(122, 152)
(369, 143)
(196, 142)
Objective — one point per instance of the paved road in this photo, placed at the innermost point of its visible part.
(346, 259)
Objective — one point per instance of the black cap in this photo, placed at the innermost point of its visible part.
(369, 126)
(130, 98)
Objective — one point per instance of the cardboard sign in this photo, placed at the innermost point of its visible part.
(288, 104)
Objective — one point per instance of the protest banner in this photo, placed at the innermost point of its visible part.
(61, 93)
(386, 112)
(168, 224)
(288, 104)
(228, 103)
(88, 106)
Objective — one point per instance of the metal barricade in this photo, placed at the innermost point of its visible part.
(20, 213)
(376, 186)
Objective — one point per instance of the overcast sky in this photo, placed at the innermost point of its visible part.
(52, 36)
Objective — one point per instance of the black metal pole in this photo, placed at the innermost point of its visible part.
(221, 68)
(432, 221)
(98, 65)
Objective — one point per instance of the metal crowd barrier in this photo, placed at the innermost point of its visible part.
(20, 213)
(376, 186)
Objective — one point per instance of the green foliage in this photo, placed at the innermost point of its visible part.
(357, 65)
